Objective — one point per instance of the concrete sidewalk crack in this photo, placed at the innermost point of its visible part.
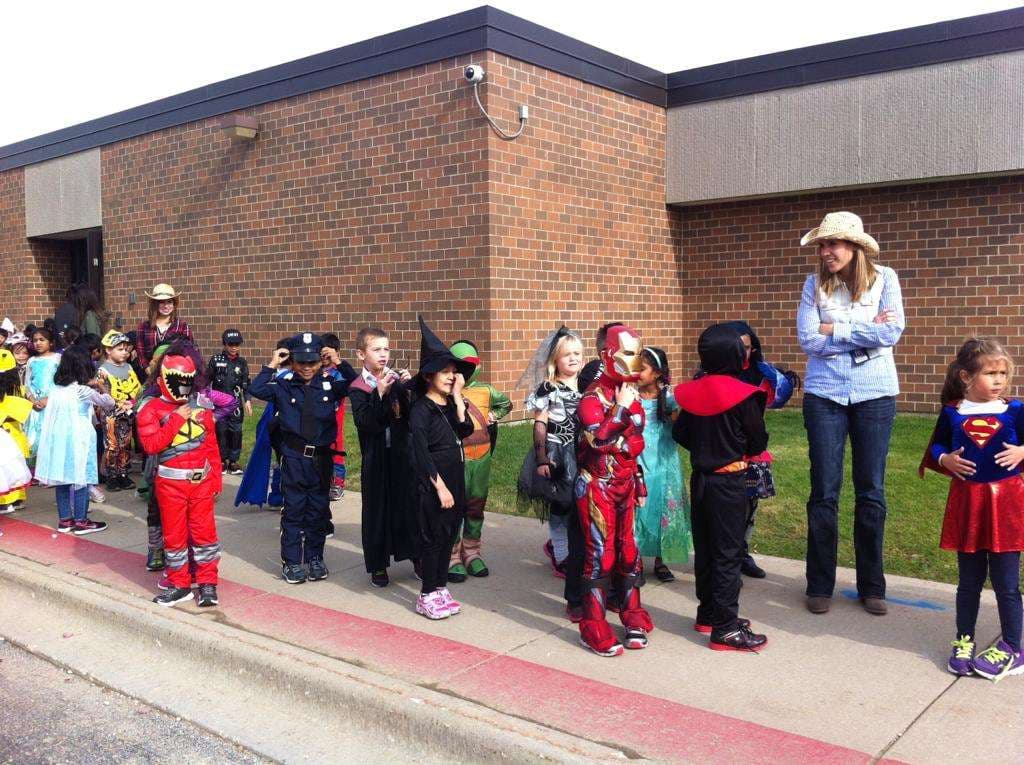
(917, 718)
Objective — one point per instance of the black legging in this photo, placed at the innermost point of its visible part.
(438, 528)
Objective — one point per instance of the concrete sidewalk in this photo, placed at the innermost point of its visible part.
(845, 687)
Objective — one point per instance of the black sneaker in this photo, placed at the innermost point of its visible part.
(207, 596)
(293, 573)
(113, 484)
(173, 596)
(317, 570)
(156, 560)
(329, 531)
(380, 578)
(750, 568)
(126, 483)
(636, 638)
(81, 528)
(235, 469)
(739, 639)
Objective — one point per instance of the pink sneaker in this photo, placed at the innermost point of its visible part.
(450, 603)
(432, 606)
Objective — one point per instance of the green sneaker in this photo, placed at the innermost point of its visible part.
(457, 573)
(477, 567)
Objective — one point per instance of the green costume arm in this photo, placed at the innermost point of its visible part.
(501, 404)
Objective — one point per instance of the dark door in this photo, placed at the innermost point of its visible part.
(94, 261)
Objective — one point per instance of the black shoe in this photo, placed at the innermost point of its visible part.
(317, 570)
(738, 639)
(207, 596)
(126, 482)
(329, 532)
(113, 484)
(380, 578)
(155, 560)
(293, 573)
(173, 596)
(235, 469)
(661, 571)
(750, 568)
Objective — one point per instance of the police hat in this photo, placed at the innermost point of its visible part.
(231, 337)
(305, 347)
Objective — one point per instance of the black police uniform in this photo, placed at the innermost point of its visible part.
(230, 376)
(307, 427)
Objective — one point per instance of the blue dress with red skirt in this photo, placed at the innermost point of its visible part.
(984, 511)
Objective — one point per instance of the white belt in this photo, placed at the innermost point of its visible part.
(192, 475)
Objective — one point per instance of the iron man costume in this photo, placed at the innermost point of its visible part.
(609, 483)
(188, 477)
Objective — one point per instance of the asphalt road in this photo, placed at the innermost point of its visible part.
(50, 716)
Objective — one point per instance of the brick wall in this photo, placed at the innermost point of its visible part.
(958, 247)
(358, 204)
(369, 202)
(580, 233)
(34, 274)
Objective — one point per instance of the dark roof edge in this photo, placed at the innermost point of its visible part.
(487, 28)
(971, 37)
(471, 31)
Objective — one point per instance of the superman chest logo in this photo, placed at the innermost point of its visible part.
(981, 430)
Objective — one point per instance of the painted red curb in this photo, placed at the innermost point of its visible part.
(647, 725)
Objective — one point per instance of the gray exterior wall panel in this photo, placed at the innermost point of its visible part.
(964, 118)
(63, 194)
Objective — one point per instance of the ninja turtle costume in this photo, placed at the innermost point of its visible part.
(486, 405)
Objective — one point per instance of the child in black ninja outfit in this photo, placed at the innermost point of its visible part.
(228, 372)
(721, 421)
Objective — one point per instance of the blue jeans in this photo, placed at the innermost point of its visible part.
(72, 502)
(1004, 569)
(869, 425)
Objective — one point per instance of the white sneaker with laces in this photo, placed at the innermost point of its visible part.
(450, 603)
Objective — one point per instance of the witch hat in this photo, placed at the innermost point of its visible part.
(435, 355)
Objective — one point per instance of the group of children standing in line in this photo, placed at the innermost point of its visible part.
(427, 441)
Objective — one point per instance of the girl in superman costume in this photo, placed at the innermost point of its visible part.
(977, 441)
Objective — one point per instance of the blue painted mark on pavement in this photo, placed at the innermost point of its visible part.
(925, 604)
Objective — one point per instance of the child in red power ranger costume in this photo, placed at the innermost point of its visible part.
(180, 430)
(609, 486)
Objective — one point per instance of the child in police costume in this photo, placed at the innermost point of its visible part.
(306, 400)
(228, 372)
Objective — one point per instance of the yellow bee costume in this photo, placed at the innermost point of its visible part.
(14, 449)
(118, 424)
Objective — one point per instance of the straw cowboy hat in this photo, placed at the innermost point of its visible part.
(163, 292)
(842, 225)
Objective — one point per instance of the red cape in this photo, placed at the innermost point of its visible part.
(713, 394)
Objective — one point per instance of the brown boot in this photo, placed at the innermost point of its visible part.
(876, 606)
(818, 604)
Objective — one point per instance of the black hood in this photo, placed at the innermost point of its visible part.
(721, 350)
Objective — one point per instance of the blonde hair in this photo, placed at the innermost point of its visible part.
(557, 350)
(862, 274)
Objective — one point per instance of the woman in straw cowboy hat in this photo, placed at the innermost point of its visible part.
(850, 317)
(163, 320)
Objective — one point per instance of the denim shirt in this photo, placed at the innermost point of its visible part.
(832, 369)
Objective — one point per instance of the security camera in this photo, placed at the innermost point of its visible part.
(474, 73)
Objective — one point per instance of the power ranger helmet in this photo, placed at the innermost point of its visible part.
(621, 354)
(177, 373)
